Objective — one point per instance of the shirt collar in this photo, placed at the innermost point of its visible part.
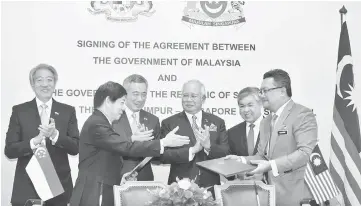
(256, 123)
(280, 110)
(130, 112)
(198, 115)
(48, 103)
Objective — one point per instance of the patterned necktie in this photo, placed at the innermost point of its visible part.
(43, 115)
(134, 125)
(250, 139)
(194, 122)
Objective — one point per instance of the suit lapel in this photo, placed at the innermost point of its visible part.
(34, 114)
(189, 129)
(54, 113)
(205, 120)
(279, 124)
(242, 139)
(256, 146)
(143, 118)
(123, 125)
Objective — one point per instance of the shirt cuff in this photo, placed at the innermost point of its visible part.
(274, 168)
(243, 160)
(161, 147)
(191, 155)
(54, 139)
(32, 145)
(206, 151)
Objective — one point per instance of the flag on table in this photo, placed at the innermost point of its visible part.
(318, 178)
(43, 175)
(345, 160)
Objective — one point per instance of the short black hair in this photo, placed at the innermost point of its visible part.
(110, 89)
(281, 78)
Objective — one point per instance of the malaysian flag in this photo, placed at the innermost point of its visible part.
(318, 178)
(345, 160)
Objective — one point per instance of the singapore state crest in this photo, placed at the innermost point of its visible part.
(214, 13)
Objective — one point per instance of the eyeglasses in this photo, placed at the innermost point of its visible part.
(192, 96)
(265, 91)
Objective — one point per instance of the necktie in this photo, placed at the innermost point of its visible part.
(250, 139)
(274, 118)
(272, 125)
(43, 115)
(194, 122)
(134, 125)
(200, 155)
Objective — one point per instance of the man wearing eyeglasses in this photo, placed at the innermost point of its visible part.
(287, 138)
(207, 134)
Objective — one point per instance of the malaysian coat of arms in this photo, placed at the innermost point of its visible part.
(214, 13)
(121, 11)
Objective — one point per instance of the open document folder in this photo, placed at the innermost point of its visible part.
(227, 167)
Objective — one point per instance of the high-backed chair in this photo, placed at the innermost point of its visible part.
(134, 193)
(235, 193)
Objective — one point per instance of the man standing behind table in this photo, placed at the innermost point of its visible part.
(207, 133)
(134, 120)
(29, 128)
(287, 138)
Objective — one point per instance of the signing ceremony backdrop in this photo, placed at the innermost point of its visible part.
(227, 46)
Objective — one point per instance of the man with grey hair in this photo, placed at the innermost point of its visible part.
(138, 124)
(42, 121)
(207, 134)
(243, 138)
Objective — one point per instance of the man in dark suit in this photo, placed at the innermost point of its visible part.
(101, 148)
(207, 134)
(134, 120)
(287, 138)
(243, 138)
(29, 128)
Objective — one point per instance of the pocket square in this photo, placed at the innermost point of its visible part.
(56, 113)
(213, 128)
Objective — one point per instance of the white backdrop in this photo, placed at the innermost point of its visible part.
(299, 37)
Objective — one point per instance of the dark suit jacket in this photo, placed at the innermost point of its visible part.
(179, 157)
(237, 139)
(151, 122)
(23, 126)
(100, 160)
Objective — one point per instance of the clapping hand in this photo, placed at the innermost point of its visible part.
(203, 136)
(48, 130)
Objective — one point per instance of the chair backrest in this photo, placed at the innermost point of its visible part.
(135, 193)
(235, 193)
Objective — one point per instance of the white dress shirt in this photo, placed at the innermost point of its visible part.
(49, 105)
(130, 115)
